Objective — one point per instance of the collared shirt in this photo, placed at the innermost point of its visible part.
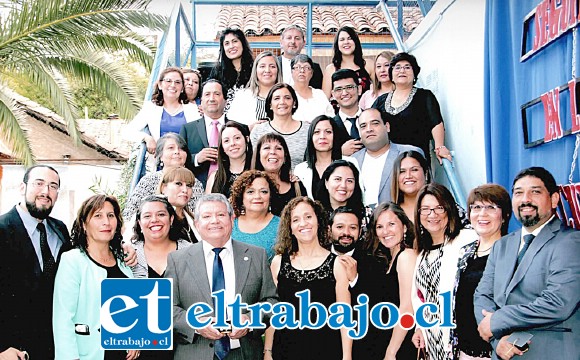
(227, 256)
(30, 223)
(347, 123)
(287, 70)
(209, 129)
(535, 232)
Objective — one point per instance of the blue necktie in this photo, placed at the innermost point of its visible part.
(221, 346)
(353, 129)
(527, 241)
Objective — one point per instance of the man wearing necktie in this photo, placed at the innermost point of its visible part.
(30, 242)
(218, 263)
(347, 90)
(532, 279)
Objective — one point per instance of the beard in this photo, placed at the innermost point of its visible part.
(529, 220)
(341, 248)
(36, 212)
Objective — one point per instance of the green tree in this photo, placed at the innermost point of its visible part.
(49, 44)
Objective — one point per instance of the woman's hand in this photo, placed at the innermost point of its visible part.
(133, 354)
(443, 153)
(13, 354)
(150, 143)
(418, 339)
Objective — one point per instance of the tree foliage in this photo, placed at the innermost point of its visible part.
(52, 44)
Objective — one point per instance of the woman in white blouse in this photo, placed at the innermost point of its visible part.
(311, 102)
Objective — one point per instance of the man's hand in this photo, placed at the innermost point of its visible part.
(13, 354)
(506, 350)
(130, 254)
(349, 265)
(207, 154)
(238, 333)
(150, 143)
(484, 327)
(209, 332)
(351, 146)
(132, 354)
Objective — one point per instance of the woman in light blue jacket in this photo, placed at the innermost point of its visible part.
(97, 254)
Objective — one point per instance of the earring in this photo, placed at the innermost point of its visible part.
(161, 163)
(242, 210)
(421, 230)
(269, 208)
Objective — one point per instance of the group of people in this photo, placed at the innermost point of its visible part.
(274, 177)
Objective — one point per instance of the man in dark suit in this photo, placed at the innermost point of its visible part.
(218, 263)
(199, 134)
(347, 90)
(377, 157)
(30, 242)
(531, 282)
(292, 41)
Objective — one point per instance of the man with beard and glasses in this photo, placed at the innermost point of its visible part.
(531, 283)
(30, 244)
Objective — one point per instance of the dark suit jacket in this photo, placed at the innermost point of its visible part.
(191, 285)
(541, 297)
(342, 134)
(26, 310)
(316, 81)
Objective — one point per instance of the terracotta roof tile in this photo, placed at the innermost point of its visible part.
(258, 20)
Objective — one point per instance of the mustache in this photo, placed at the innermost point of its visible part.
(44, 196)
(346, 237)
(527, 205)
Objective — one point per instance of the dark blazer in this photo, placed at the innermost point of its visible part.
(316, 81)
(195, 135)
(191, 285)
(541, 297)
(342, 135)
(25, 313)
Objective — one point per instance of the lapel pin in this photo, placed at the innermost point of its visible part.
(246, 258)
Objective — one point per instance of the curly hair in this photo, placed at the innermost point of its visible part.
(243, 182)
(372, 242)
(174, 231)
(286, 242)
(84, 215)
(157, 96)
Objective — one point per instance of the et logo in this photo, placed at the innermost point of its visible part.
(136, 314)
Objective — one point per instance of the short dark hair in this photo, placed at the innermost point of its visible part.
(27, 172)
(214, 81)
(344, 210)
(540, 173)
(342, 74)
(494, 194)
(403, 56)
(275, 88)
(286, 167)
(301, 58)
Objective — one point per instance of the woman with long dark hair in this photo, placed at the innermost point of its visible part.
(235, 154)
(348, 54)
(96, 255)
(235, 61)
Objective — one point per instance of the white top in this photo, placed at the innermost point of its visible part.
(296, 141)
(372, 167)
(243, 107)
(150, 115)
(367, 99)
(287, 71)
(310, 108)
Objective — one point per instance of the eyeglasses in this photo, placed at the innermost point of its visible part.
(41, 184)
(302, 68)
(425, 211)
(169, 81)
(401, 68)
(340, 89)
(476, 209)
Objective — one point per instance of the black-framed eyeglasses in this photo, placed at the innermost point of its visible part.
(348, 88)
(425, 211)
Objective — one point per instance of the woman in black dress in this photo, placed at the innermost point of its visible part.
(302, 262)
(273, 157)
(389, 233)
(413, 113)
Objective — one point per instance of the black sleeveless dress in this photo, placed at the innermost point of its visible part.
(307, 344)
